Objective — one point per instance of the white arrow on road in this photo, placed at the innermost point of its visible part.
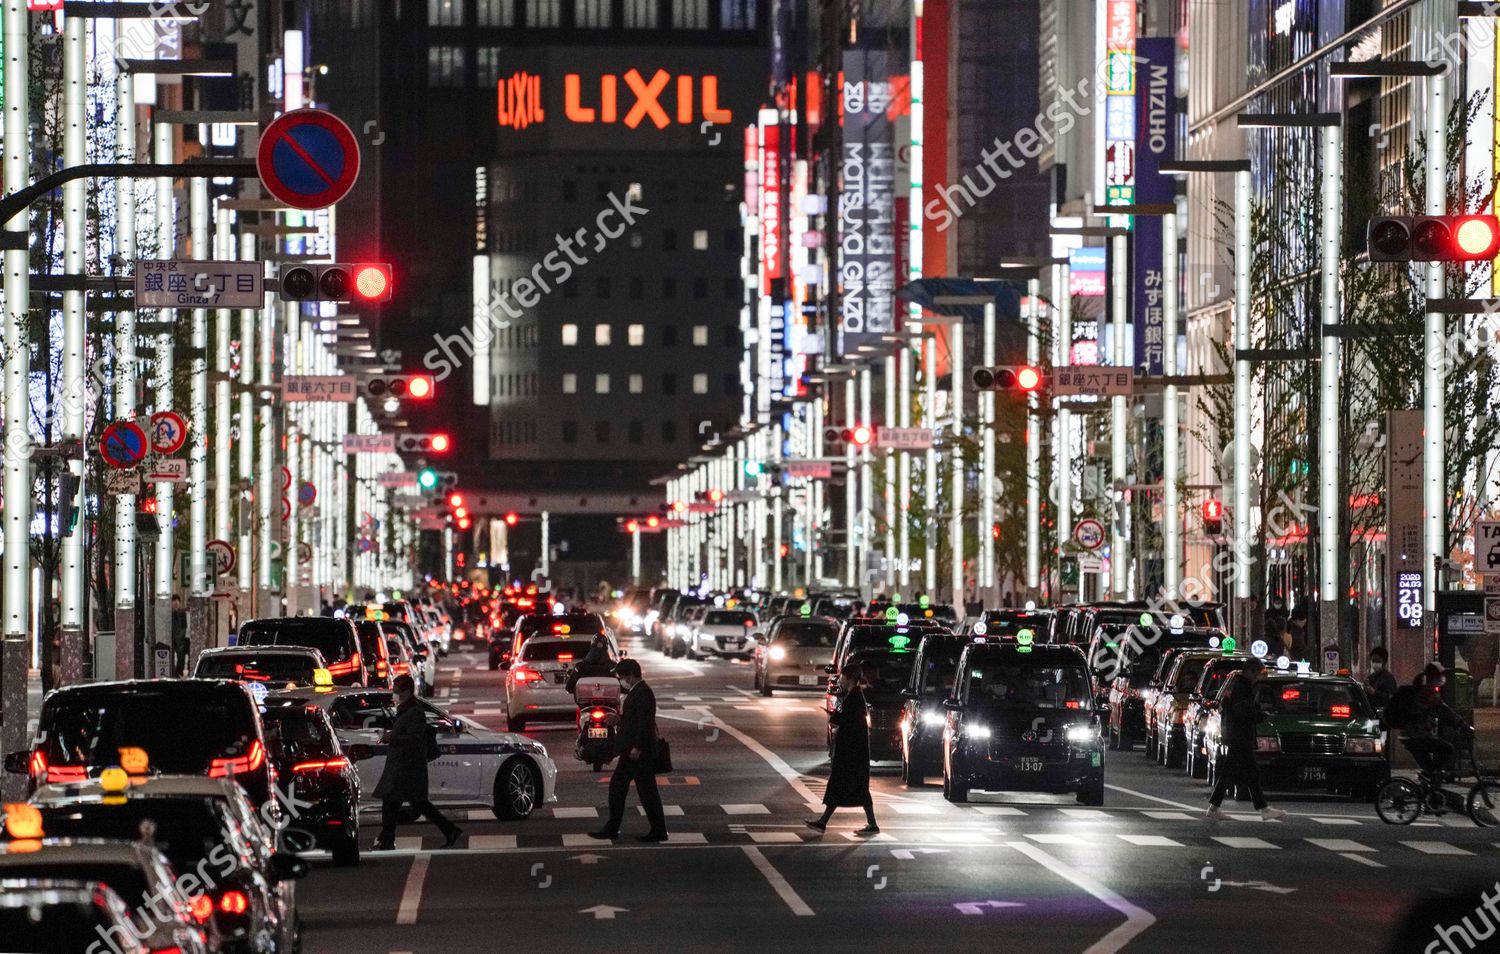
(978, 907)
(907, 854)
(588, 859)
(1258, 886)
(603, 912)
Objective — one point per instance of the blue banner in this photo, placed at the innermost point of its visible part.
(1155, 142)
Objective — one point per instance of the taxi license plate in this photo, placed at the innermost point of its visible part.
(598, 732)
(1312, 773)
(808, 680)
(1028, 765)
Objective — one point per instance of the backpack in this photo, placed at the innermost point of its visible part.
(432, 744)
(1399, 710)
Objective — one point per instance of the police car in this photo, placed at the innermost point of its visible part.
(510, 773)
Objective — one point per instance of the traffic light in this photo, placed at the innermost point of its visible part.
(418, 387)
(860, 435)
(715, 496)
(455, 500)
(1213, 516)
(679, 506)
(1433, 238)
(653, 521)
(632, 526)
(427, 478)
(366, 282)
(423, 443)
(754, 468)
(67, 509)
(1021, 379)
(512, 518)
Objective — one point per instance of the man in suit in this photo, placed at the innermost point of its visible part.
(405, 775)
(636, 745)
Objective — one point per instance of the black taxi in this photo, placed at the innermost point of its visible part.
(922, 716)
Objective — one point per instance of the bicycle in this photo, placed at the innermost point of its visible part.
(1401, 801)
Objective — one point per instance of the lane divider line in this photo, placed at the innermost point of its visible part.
(1137, 919)
(778, 883)
(411, 894)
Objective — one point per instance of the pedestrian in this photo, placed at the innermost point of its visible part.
(638, 746)
(409, 747)
(180, 643)
(1239, 714)
(1380, 685)
(849, 768)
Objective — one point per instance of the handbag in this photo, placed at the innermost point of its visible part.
(663, 762)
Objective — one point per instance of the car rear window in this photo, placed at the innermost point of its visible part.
(892, 671)
(553, 650)
(258, 667)
(1188, 674)
(1021, 685)
(301, 731)
(331, 637)
(62, 927)
(127, 880)
(1217, 674)
(182, 727)
(364, 710)
(571, 624)
(818, 635)
(729, 618)
(183, 829)
(1325, 700)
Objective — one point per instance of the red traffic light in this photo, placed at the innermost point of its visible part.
(678, 506)
(441, 443)
(420, 386)
(715, 495)
(461, 512)
(511, 519)
(861, 435)
(148, 505)
(1476, 237)
(632, 527)
(1213, 509)
(653, 521)
(455, 500)
(1028, 379)
(372, 281)
(464, 523)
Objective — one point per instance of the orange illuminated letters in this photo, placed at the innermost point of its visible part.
(656, 100)
(520, 98)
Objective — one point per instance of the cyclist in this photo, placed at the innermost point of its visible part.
(1428, 713)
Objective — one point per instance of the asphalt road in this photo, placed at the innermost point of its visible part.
(1144, 873)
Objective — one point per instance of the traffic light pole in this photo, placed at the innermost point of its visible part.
(851, 494)
(1241, 438)
(126, 562)
(956, 461)
(1329, 451)
(986, 527)
(1062, 449)
(1434, 462)
(159, 626)
(929, 472)
(200, 591)
(74, 559)
(892, 517)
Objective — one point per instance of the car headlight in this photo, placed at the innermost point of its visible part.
(1363, 747)
(977, 731)
(1081, 734)
(937, 718)
(1267, 743)
(778, 653)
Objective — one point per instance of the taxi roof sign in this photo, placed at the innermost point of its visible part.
(806, 609)
(891, 614)
(134, 760)
(114, 780)
(322, 678)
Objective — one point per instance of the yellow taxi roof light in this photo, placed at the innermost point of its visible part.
(114, 780)
(322, 677)
(23, 820)
(134, 760)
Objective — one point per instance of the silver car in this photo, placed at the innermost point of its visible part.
(722, 632)
(795, 653)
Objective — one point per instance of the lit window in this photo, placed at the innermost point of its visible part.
(487, 65)
(640, 14)
(690, 14)
(700, 384)
(570, 384)
(591, 13)
(636, 335)
(601, 384)
(543, 13)
(445, 12)
(445, 66)
(737, 14)
(495, 13)
(637, 383)
(601, 334)
(700, 336)
(569, 335)
(633, 192)
(700, 240)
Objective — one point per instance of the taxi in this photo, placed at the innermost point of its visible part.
(318, 774)
(1022, 718)
(508, 773)
(892, 670)
(1321, 733)
(536, 679)
(1166, 710)
(272, 665)
(794, 653)
(63, 917)
(922, 716)
(1201, 702)
(1008, 622)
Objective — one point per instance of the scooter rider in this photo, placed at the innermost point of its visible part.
(595, 664)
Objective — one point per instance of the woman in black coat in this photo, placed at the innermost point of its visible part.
(849, 769)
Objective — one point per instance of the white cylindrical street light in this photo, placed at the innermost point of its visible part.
(1329, 451)
(851, 490)
(929, 413)
(986, 529)
(127, 579)
(74, 395)
(1240, 518)
(888, 496)
(1171, 437)
(1119, 562)
(1434, 367)
(956, 461)
(1062, 459)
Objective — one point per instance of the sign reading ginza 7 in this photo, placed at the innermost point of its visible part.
(187, 283)
(1095, 381)
(369, 443)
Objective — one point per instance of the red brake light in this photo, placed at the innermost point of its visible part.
(38, 764)
(234, 902)
(174, 949)
(1341, 712)
(527, 675)
(229, 767)
(322, 765)
(344, 667)
(749, 624)
(597, 715)
(201, 907)
(67, 773)
(564, 657)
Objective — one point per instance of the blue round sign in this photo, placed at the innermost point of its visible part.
(123, 444)
(308, 158)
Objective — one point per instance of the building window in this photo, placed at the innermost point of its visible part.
(737, 14)
(669, 288)
(690, 14)
(700, 288)
(669, 336)
(635, 335)
(669, 240)
(700, 336)
(601, 384)
(591, 13)
(495, 13)
(569, 335)
(669, 383)
(637, 383)
(570, 432)
(669, 432)
(700, 240)
(445, 12)
(487, 65)
(445, 66)
(601, 335)
(601, 432)
(640, 14)
(543, 13)
(570, 383)
(700, 384)
(636, 433)
(637, 286)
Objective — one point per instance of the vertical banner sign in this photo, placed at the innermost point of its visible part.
(772, 249)
(1155, 143)
(867, 207)
(1119, 102)
(1404, 561)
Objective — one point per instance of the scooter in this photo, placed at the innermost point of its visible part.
(598, 720)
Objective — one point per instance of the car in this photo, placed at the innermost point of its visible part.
(68, 917)
(272, 665)
(794, 654)
(865, 633)
(204, 826)
(723, 632)
(535, 682)
(922, 716)
(159, 726)
(630, 611)
(660, 615)
(415, 617)
(940, 613)
(573, 625)
(321, 779)
(135, 873)
(888, 672)
(375, 652)
(1003, 623)
(335, 638)
(423, 655)
(673, 629)
(1022, 718)
(1201, 702)
(835, 605)
(508, 773)
(1322, 733)
(1116, 649)
(1166, 712)
(1132, 693)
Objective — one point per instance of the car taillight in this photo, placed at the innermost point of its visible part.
(565, 657)
(38, 765)
(174, 949)
(250, 762)
(344, 667)
(597, 715)
(234, 902)
(526, 675)
(201, 907)
(380, 667)
(322, 765)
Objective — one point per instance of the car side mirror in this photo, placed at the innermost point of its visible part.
(1101, 711)
(15, 762)
(909, 694)
(830, 669)
(952, 705)
(359, 752)
(287, 867)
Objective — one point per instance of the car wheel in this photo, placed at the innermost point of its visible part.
(765, 685)
(1197, 762)
(953, 791)
(516, 725)
(1092, 794)
(345, 851)
(518, 790)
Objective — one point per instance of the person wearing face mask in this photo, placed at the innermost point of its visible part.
(638, 745)
(1381, 685)
(849, 769)
(1421, 730)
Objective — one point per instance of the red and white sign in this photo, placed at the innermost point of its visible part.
(168, 470)
(772, 250)
(1089, 533)
(222, 553)
(168, 432)
(308, 158)
(809, 469)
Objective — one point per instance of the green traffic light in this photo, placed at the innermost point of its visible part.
(753, 468)
(427, 479)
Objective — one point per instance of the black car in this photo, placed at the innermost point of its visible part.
(320, 776)
(335, 638)
(866, 633)
(1022, 718)
(922, 717)
(174, 726)
(64, 917)
(891, 669)
(273, 665)
(1009, 623)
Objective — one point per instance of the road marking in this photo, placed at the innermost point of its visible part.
(1137, 919)
(963, 837)
(1057, 839)
(880, 837)
(1436, 848)
(575, 813)
(775, 837)
(915, 809)
(408, 842)
(667, 810)
(1368, 862)
(1150, 841)
(411, 895)
(1168, 816)
(1088, 813)
(1338, 844)
(1242, 842)
(777, 763)
(778, 883)
(492, 841)
(1335, 821)
(1151, 798)
(687, 838)
(580, 841)
(997, 810)
(750, 809)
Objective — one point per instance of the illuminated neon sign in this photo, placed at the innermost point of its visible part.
(628, 99)
(520, 98)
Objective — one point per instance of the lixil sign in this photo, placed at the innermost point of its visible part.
(629, 99)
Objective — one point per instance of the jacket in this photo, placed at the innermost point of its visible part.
(405, 775)
(638, 723)
(849, 768)
(594, 664)
(1381, 687)
(1239, 712)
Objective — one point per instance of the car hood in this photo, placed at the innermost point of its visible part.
(1279, 724)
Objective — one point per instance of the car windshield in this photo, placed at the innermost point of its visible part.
(729, 618)
(186, 830)
(1188, 674)
(299, 731)
(1326, 700)
(328, 636)
(570, 624)
(364, 710)
(181, 731)
(1020, 685)
(814, 635)
(554, 650)
(1213, 681)
(1011, 624)
(891, 671)
(879, 637)
(62, 927)
(258, 667)
(127, 880)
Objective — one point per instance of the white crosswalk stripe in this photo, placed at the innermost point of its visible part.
(492, 841)
(1168, 816)
(1150, 841)
(1338, 844)
(775, 837)
(1092, 814)
(998, 810)
(1057, 839)
(1436, 848)
(1321, 820)
(1233, 841)
(575, 813)
(745, 809)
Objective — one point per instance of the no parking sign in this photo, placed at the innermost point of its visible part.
(308, 158)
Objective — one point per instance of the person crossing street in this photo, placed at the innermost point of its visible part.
(405, 777)
(638, 746)
(1240, 715)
